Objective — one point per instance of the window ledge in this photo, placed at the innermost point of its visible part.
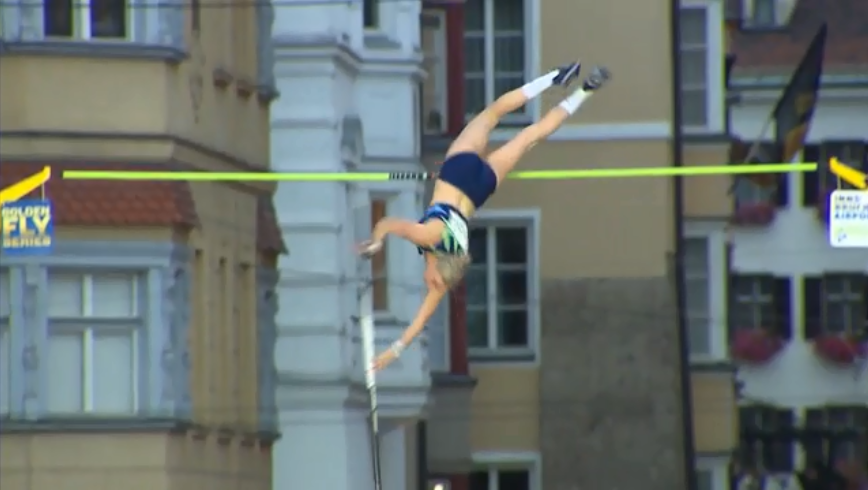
(493, 356)
(93, 49)
(120, 424)
(712, 366)
(376, 39)
(452, 380)
(95, 424)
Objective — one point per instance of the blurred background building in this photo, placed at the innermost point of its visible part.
(139, 352)
(799, 307)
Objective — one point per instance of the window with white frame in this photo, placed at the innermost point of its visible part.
(498, 289)
(501, 479)
(94, 329)
(763, 13)
(843, 304)
(705, 479)
(694, 67)
(5, 341)
(94, 19)
(753, 302)
(495, 61)
(697, 274)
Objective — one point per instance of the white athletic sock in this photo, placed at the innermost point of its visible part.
(572, 103)
(532, 89)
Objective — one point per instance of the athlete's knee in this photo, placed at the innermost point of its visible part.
(531, 135)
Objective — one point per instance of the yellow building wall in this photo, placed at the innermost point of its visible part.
(604, 217)
(715, 412)
(505, 409)
(629, 37)
(707, 197)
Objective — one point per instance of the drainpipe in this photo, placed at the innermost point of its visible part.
(688, 450)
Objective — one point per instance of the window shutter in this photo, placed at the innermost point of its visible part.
(813, 441)
(812, 296)
(865, 158)
(863, 334)
(782, 444)
(810, 180)
(782, 193)
(783, 307)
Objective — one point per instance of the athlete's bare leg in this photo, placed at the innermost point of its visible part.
(504, 159)
(474, 137)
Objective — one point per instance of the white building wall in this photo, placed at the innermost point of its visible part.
(797, 245)
(348, 101)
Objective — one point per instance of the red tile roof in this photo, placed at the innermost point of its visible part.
(129, 203)
(779, 50)
(268, 235)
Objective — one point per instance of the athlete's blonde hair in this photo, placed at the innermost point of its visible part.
(452, 268)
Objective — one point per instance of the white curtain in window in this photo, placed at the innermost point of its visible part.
(66, 365)
(494, 51)
(694, 62)
(696, 272)
(65, 295)
(113, 295)
(5, 369)
(113, 383)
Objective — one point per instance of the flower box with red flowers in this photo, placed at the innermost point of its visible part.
(755, 345)
(840, 348)
(753, 213)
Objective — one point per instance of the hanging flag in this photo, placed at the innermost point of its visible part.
(791, 116)
(795, 109)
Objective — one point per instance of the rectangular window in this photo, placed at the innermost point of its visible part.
(500, 479)
(694, 67)
(495, 38)
(764, 440)
(498, 286)
(95, 19)
(434, 97)
(753, 302)
(94, 324)
(380, 262)
(705, 479)
(846, 433)
(843, 304)
(200, 372)
(697, 272)
(5, 341)
(818, 185)
(371, 14)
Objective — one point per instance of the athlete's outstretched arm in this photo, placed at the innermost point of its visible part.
(429, 305)
(423, 235)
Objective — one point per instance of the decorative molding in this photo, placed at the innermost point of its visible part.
(646, 130)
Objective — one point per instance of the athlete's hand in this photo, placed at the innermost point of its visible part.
(369, 248)
(383, 360)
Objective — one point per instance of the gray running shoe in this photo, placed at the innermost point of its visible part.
(598, 77)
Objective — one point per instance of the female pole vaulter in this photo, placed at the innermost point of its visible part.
(465, 182)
